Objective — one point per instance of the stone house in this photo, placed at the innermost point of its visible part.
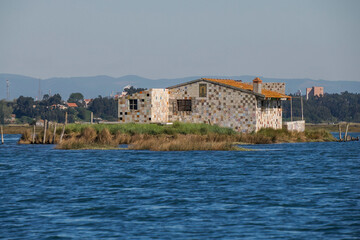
(245, 107)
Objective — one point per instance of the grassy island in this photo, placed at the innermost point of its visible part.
(175, 137)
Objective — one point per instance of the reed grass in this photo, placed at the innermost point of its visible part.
(183, 143)
(176, 137)
(154, 129)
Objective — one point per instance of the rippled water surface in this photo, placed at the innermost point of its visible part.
(282, 191)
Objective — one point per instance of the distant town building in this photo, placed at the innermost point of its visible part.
(314, 91)
(11, 119)
(87, 102)
(123, 93)
(58, 106)
(72, 104)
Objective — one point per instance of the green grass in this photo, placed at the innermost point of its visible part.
(154, 129)
(319, 134)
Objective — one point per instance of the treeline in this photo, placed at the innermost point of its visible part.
(51, 108)
(326, 109)
(329, 108)
(27, 110)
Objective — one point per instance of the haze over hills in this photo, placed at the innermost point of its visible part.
(103, 85)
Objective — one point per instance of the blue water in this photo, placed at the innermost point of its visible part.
(282, 191)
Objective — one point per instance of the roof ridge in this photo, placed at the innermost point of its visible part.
(249, 87)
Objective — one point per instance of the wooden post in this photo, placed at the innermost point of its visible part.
(45, 127)
(63, 130)
(2, 135)
(302, 108)
(340, 132)
(291, 118)
(33, 136)
(54, 137)
(346, 132)
(91, 117)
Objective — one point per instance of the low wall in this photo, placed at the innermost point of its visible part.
(298, 126)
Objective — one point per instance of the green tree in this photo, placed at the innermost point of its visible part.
(133, 90)
(5, 111)
(76, 98)
(25, 107)
(56, 99)
(328, 108)
(106, 108)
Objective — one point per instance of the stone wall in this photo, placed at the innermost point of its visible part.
(269, 114)
(142, 114)
(298, 126)
(274, 86)
(159, 105)
(223, 106)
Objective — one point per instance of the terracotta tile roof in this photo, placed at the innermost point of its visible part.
(72, 104)
(246, 86)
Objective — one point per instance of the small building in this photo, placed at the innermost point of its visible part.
(87, 102)
(245, 107)
(314, 91)
(71, 104)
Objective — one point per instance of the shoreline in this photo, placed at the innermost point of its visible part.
(353, 128)
(176, 137)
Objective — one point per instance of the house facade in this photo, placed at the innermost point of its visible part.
(245, 107)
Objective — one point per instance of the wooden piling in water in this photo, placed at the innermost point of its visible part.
(63, 130)
(54, 138)
(45, 127)
(33, 136)
(346, 132)
(2, 135)
(291, 112)
(340, 132)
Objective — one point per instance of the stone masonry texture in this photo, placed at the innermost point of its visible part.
(221, 105)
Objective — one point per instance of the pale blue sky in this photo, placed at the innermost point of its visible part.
(318, 39)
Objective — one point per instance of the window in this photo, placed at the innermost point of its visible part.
(265, 104)
(202, 90)
(133, 104)
(184, 105)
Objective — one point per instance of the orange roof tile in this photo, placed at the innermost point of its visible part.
(249, 87)
(72, 104)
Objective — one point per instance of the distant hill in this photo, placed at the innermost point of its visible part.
(104, 85)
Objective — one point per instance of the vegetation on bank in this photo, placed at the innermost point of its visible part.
(330, 108)
(28, 109)
(353, 127)
(175, 137)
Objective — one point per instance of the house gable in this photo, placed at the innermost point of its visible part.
(208, 80)
(222, 105)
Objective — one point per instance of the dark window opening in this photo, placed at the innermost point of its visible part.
(264, 104)
(133, 104)
(184, 105)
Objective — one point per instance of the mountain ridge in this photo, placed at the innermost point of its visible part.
(104, 85)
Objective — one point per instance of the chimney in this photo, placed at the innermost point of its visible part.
(257, 85)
